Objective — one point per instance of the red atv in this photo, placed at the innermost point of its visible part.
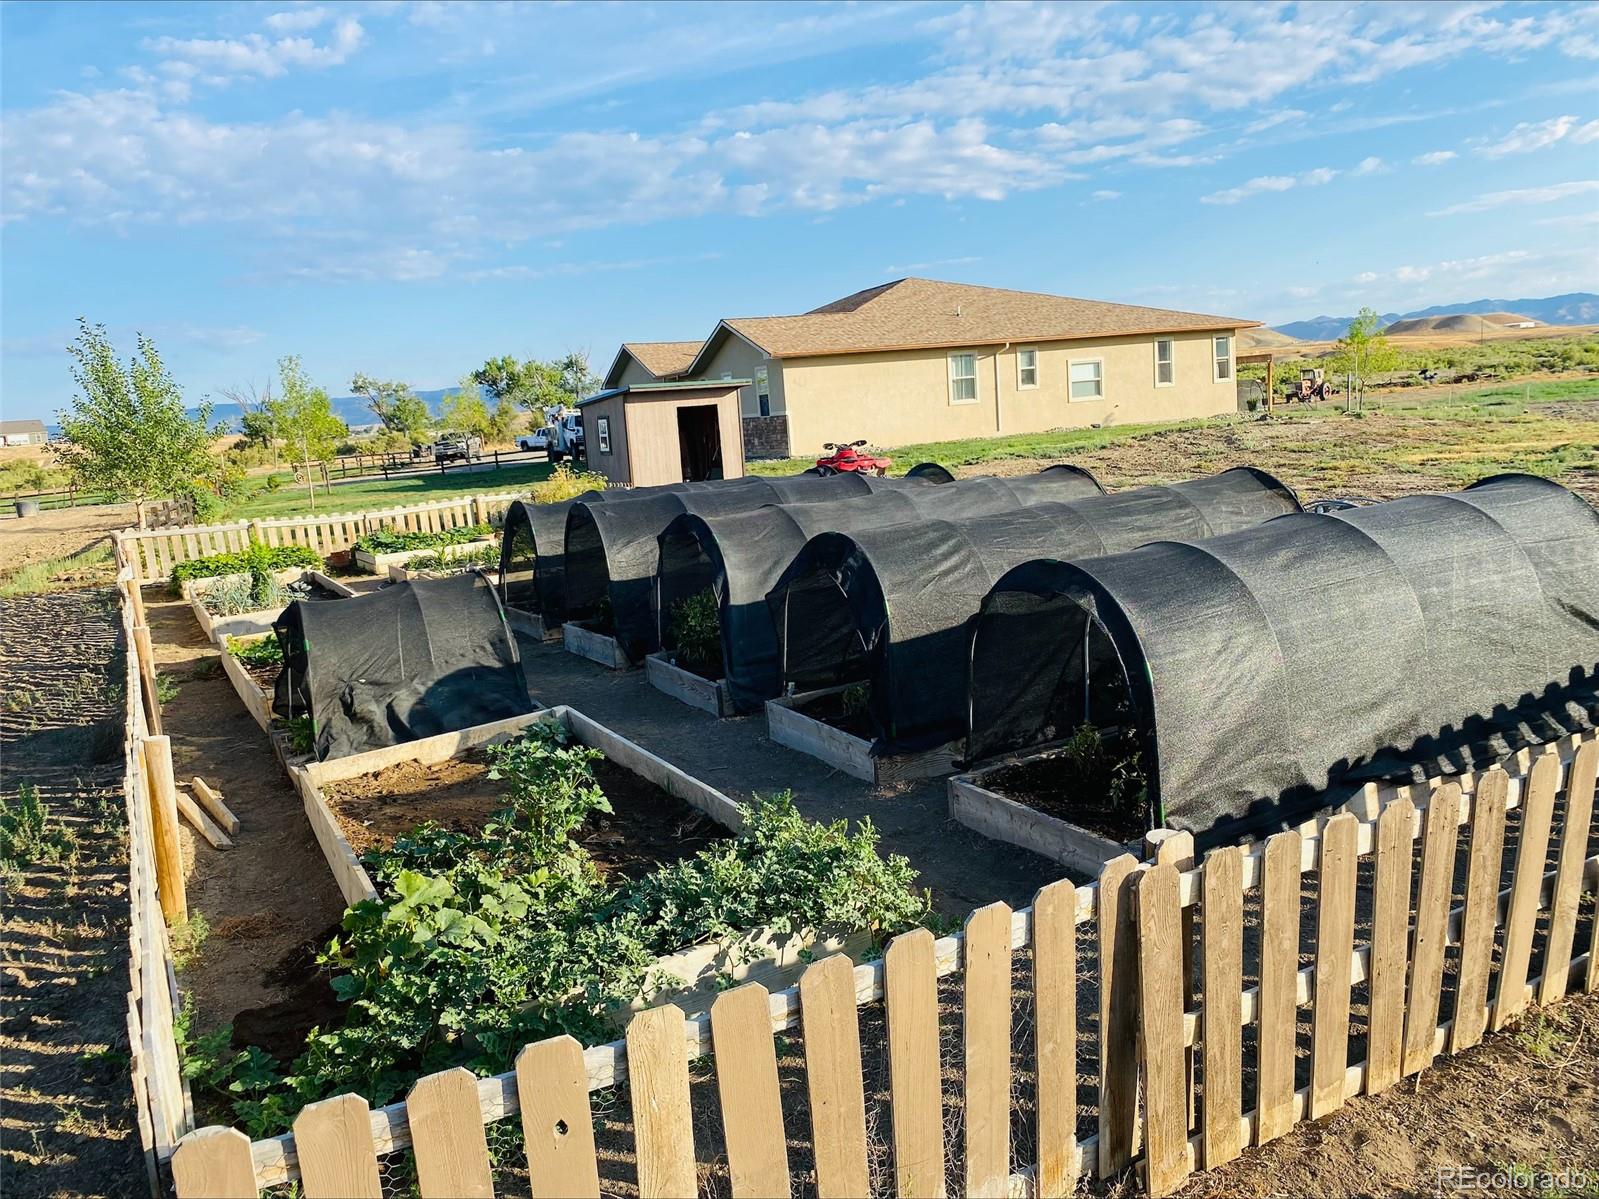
(846, 457)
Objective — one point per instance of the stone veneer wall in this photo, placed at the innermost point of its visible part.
(765, 437)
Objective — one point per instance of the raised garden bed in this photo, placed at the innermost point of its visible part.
(1074, 805)
(585, 642)
(531, 623)
(379, 563)
(362, 802)
(695, 690)
(824, 725)
(247, 624)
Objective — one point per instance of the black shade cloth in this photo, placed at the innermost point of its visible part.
(894, 605)
(931, 471)
(412, 660)
(611, 551)
(1271, 671)
(533, 546)
(740, 557)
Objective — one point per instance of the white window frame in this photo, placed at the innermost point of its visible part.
(602, 433)
(1171, 361)
(953, 399)
(1216, 376)
(1021, 384)
(1073, 399)
(763, 391)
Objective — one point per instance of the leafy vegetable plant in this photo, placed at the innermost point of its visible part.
(696, 632)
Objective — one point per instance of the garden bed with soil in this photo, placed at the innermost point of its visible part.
(379, 563)
(306, 585)
(585, 641)
(832, 724)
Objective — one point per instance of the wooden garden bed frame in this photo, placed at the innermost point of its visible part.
(596, 647)
(787, 725)
(1000, 818)
(531, 623)
(708, 695)
(383, 564)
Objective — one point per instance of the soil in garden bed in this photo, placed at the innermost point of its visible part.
(1056, 787)
(282, 1026)
(830, 709)
(649, 827)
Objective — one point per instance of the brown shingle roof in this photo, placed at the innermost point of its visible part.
(663, 358)
(918, 313)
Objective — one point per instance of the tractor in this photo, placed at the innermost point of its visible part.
(1312, 386)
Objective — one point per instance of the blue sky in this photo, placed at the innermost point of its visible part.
(408, 188)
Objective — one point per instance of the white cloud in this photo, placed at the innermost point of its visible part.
(1369, 166)
(1105, 193)
(1530, 135)
(296, 20)
(1433, 158)
(1520, 196)
(219, 59)
(1315, 177)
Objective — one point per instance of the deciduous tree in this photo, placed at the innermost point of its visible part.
(395, 404)
(127, 430)
(1363, 351)
(304, 418)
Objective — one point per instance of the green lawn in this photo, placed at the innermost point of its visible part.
(290, 499)
(1499, 400)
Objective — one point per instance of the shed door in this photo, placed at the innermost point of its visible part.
(699, 439)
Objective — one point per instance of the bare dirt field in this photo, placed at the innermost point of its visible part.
(59, 533)
(1325, 453)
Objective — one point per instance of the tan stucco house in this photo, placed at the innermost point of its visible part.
(920, 360)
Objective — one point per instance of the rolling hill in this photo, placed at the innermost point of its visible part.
(1460, 322)
(1573, 308)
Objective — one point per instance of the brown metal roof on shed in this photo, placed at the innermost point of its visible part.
(925, 313)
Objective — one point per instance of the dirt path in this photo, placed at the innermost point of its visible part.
(66, 1107)
(271, 894)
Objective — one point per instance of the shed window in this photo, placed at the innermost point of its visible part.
(1088, 379)
(1026, 369)
(604, 432)
(763, 391)
(1224, 358)
(963, 378)
(1165, 362)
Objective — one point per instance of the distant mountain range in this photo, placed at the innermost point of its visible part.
(1574, 308)
(352, 410)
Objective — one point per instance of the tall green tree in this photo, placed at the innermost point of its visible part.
(395, 404)
(465, 410)
(303, 417)
(1363, 351)
(127, 430)
(538, 385)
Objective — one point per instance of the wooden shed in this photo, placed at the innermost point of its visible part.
(645, 434)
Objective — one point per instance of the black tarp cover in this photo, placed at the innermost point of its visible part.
(739, 557)
(411, 660)
(533, 543)
(895, 605)
(611, 550)
(1271, 671)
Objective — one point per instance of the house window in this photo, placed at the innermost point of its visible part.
(763, 391)
(1165, 362)
(1088, 379)
(1026, 369)
(963, 378)
(605, 434)
(1224, 358)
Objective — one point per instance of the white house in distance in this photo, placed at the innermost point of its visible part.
(920, 360)
(23, 432)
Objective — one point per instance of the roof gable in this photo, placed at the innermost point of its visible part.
(662, 359)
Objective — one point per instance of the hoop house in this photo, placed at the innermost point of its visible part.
(611, 551)
(740, 557)
(1260, 669)
(894, 605)
(412, 660)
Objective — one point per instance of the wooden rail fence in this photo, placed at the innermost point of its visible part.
(151, 553)
(1394, 982)
(162, 1103)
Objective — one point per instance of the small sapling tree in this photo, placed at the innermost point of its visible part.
(303, 417)
(127, 430)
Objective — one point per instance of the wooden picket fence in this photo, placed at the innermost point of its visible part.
(153, 552)
(162, 1103)
(1165, 992)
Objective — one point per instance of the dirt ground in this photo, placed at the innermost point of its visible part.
(66, 1110)
(271, 895)
(59, 532)
(1323, 453)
